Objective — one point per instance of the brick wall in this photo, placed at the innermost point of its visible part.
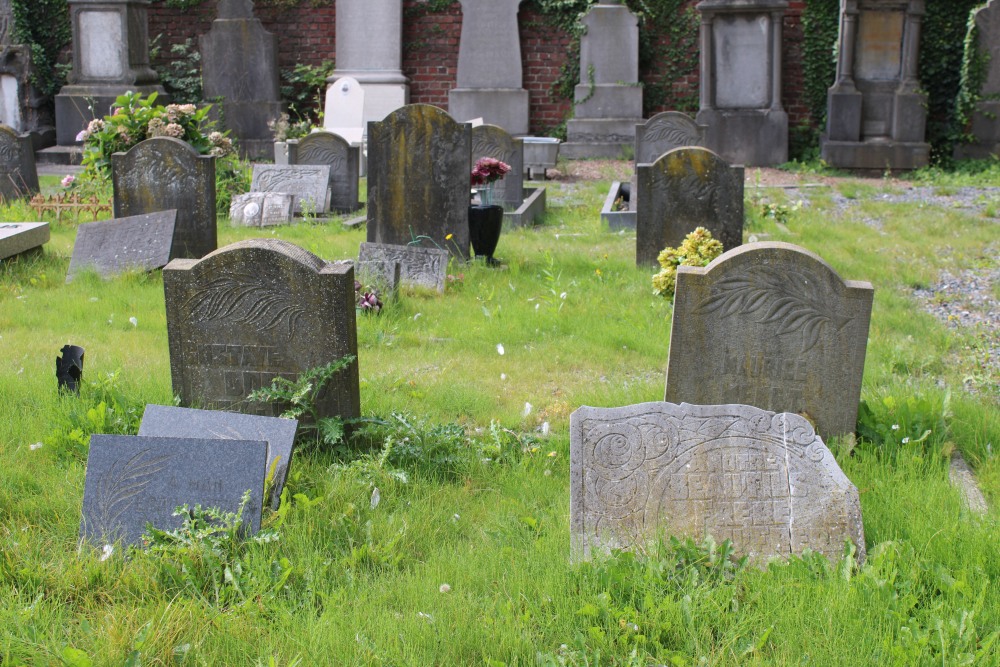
(306, 34)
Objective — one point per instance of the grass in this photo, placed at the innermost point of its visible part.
(349, 583)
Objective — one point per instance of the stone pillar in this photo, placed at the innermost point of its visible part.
(110, 57)
(22, 107)
(876, 114)
(489, 67)
(985, 121)
(370, 49)
(741, 80)
(240, 65)
(608, 99)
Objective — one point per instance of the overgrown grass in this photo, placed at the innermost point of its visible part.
(476, 498)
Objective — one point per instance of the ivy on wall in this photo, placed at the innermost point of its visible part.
(43, 26)
(820, 23)
(975, 63)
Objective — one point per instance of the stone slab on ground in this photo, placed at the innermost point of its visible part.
(17, 237)
(110, 247)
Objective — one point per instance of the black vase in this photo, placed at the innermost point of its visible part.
(485, 223)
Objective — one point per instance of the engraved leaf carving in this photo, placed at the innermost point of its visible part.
(789, 300)
(671, 135)
(121, 484)
(246, 299)
(318, 153)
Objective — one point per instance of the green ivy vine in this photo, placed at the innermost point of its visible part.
(44, 27)
(974, 70)
(820, 24)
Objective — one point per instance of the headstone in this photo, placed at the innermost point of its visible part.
(384, 274)
(489, 81)
(17, 237)
(418, 182)
(369, 44)
(876, 111)
(132, 481)
(110, 247)
(985, 121)
(762, 480)
(608, 99)
(240, 67)
(307, 183)
(279, 434)
(664, 132)
(261, 209)
(18, 177)
(495, 142)
(253, 311)
(327, 148)
(345, 110)
(427, 267)
(110, 58)
(22, 107)
(684, 189)
(773, 326)
(740, 80)
(164, 173)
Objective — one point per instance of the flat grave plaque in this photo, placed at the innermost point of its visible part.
(113, 246)
(17, 237)
(427, 267)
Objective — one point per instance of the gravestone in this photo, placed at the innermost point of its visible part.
(985, 122)
(22, 107)
(427, 267)
(132, 481)
(763, 480)
(327, 148)
(489, 83)
(876, 111)
(164, 173)
(17, 237)
(495, 142)
(684, 189)
(369, 41)
(664, 132)
(740, 81)
(110, 58)
(383, 274)
(18, 176)
(279, 434)
(345, 109)
(773, 326)
(608, 99)
(110, 247)
(418, 182)
(307, 183)
(253, 311)
(261, 209)
(240, 67)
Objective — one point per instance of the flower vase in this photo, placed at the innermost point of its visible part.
(485, 224)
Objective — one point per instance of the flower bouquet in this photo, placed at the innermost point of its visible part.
(484, 176)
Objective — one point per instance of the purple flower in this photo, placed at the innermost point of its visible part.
(68, 180)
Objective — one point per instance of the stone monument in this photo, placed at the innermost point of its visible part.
(327, 148)
(18, 237)
(240, 65)
(110, 247)
(110, 57)
(308, 183)
(253, 311)
(985, 123)
(741, 81)
(876, 112)
(684, 189)
(773, 326)
(493, 141)
(763, 480)
(489, 84)
(22, 107)
(370, 49)
(132, 481)
(18, 175)
(164, 173)
(664, 132)
(418, 183)
(426, 267)
(608, 99)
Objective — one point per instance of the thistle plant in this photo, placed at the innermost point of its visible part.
(698, 249)
(484, 176)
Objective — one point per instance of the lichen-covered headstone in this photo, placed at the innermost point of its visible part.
(763, 480)
(309, 184)
(319, 148)
(132, 481)
(427, 267)
(664, 132)
(278, 433)
(771, 325)
(164, 173)
(682, 190)
(253, 311)
(418, 179)
(110, 247)
(18, 176)
(495, 142)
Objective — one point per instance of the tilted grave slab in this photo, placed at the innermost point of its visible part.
(110, 247)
